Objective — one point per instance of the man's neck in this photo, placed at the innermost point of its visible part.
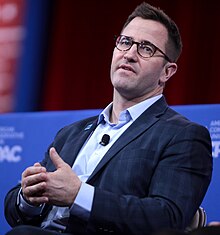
(120, 103)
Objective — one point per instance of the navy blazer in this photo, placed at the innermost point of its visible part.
(154, 176)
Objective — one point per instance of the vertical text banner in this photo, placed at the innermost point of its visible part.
(11, 36)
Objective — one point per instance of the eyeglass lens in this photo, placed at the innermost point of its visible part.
(145, 49)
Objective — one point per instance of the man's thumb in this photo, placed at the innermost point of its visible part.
(55, 158)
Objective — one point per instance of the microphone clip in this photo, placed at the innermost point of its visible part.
(105, 140)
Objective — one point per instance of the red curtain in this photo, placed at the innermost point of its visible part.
(81, 45)
(12, 33)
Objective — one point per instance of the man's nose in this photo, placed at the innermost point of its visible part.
(131, 53)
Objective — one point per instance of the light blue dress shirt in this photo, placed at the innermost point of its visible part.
(88, 158)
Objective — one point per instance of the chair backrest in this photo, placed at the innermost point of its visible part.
(199, 220)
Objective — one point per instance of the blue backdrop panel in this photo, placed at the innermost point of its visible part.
(24, 137)
(33, 58)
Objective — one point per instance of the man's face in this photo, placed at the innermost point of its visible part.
(133, 76)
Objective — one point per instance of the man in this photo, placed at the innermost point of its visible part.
(150, 170)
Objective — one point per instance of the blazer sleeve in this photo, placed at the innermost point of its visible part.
(14, 216)
(68, 133)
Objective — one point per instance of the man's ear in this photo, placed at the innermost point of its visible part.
(169, 70)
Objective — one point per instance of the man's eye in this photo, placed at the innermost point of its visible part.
(124, 41)
(146, 48)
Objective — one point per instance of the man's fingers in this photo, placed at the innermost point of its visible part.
(55, 158)
(33, 179)
(34, 190)
(37, 164)
(32, 170)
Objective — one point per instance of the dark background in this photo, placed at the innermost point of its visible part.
(78, 44)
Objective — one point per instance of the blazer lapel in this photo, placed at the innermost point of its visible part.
(144, 122)
(78, 141)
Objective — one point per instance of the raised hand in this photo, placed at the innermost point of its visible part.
(63, 184)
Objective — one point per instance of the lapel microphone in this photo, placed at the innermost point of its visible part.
(105, 140)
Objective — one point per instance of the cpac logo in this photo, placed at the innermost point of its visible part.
(216, 148)
(10, 154)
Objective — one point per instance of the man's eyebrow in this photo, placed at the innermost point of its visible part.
(141, 41)
(147, 42)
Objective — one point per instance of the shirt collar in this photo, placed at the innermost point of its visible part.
(136, 110)
(131, 113)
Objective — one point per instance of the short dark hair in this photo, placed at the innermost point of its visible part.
(147, 11)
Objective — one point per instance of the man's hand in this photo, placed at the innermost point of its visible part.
(63, 184)
(33, 183)
(57, 188)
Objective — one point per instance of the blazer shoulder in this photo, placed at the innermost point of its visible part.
(175, 118)
(84, 124)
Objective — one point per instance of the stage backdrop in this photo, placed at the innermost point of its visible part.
(56, 54)
(24, 137)
(12, 33)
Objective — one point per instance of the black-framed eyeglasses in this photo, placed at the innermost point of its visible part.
(145, 49)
